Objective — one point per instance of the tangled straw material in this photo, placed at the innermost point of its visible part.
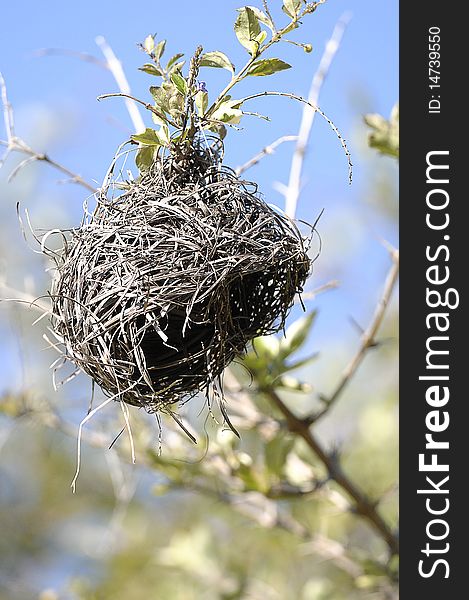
(164, 284)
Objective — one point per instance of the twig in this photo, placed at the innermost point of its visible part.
(16, 144)
(367, 340)
(316, 109)
(363, 506)
(264, 152)
(293, 189)
(115, 66)
(330, 285)
(147, 105)
(267, 515)
(84, 56)
(23, 297)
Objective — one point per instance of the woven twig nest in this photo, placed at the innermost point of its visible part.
(164, 285)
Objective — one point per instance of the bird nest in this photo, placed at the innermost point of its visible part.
(165, 284)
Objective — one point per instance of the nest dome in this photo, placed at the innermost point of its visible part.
(164, 285)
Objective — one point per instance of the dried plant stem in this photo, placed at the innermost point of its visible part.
(367, 340)
(292, 192)
(115, 66)
(270, 149)
(362, 505)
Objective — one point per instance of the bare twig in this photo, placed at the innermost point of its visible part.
(115, 66)
(147, 105)
(316, 109)
(330, 285)
(25, 298)
(84, 56)
(16, 144)
(294, 185)
(362, 505)
(264, 152)
(367, 340)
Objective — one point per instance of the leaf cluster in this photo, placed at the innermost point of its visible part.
(181, 105)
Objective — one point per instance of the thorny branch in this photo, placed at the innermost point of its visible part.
(363, 506)
(15, 144)
(368, 339)
(302, 426)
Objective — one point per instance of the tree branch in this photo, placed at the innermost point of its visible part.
(16, 144)
(368, 340)
(115, 66)
(294, 185)
(264, 152)
(362, 504)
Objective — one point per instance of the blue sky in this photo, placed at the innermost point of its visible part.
(56, 108)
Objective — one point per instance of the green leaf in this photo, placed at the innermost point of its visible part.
(247, 28)
(292, 384)
(177, 67)
(276, 452)
(293, 25)
(266, 347)
(172, 60)
(228, 112)
(161, 98)
(201, 102)
(148, 138)
(296, 334)
(217, 128)
(216, 59)
(145, 158)
(151, 70)
(300, 363)
(260, 39)
(149, 44)
(385, 134)
(267, 66)
(291, 7)
(262, 17)
(159, 50)
(163, 133)
(180, 83)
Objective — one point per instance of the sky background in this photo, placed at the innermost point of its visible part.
(54, 99)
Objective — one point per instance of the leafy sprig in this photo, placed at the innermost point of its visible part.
(181, 106)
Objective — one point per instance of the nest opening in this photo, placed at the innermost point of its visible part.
(163, 285)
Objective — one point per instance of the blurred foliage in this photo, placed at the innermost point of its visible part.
(385, 133)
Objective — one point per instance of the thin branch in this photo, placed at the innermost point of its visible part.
(294, 185)
(25, 298)
(115, 66)
(84, 56)
(268, 13)
(276, 37)
(147, 105)
(330, 285)
(264, 511)
(316, 109)
(16, 144)
(270, 149)
(363, 506)
(367, 340)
